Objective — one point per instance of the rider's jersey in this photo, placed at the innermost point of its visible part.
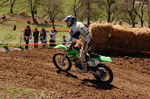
(80, 31)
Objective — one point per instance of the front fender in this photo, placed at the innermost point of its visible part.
(64, 47)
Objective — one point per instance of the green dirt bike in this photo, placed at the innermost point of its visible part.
(102, 73)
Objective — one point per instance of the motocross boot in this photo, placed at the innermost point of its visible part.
(83, 68)
(84, 65)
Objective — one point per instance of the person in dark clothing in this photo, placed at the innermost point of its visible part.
(4, 17)
(43, 36)
(36, 37)
(27, 35)
(14, 27)
(53, 33)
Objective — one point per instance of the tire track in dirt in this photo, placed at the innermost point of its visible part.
(133, 82)
(32, 69)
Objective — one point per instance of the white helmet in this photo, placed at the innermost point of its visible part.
(70, 19)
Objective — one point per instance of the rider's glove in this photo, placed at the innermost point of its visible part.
(72, 44)
(68, 49)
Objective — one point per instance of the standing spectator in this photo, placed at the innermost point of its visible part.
(14, 27)
(27, 35)
(36, 37)
(43, 36)
(53, 37)
(64, 40)
(3, 17)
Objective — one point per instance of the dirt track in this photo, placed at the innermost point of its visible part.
(34, 69)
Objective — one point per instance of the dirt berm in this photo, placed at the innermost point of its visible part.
(34, 69)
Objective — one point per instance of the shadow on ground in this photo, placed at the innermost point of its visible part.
(123, 54)
(67, 74)
(97, 85)
(87, 82)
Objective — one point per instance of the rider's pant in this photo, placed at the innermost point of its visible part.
(84, 49)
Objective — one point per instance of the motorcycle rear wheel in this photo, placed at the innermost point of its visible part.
(62, 62)
(103, 72)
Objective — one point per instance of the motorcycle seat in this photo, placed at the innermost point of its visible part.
(92, 55)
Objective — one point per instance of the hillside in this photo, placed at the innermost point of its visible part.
(31, 74)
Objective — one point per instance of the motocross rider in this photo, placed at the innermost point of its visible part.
(79, 31)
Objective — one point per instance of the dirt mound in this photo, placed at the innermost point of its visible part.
(34, 69)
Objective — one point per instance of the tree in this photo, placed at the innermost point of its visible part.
(89, 9)
(109, 9)
(128, 11)
(76, 7)
(140, 10)
(148, 13)
(53, 8)
(2, 2)
(33, 4)
(84, 9)
(12, 3)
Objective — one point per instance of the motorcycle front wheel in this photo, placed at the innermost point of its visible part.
(104, 74)
(62, 62)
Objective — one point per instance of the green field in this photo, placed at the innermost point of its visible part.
(23, 7)
(12, 91)
(10, 37)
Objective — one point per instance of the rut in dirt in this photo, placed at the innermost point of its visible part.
(34, 69)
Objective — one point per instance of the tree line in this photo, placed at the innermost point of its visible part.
(129, 11)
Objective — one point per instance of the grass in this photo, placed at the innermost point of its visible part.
(7, 36)
(19, 7)
(12, 91)
(10, 37)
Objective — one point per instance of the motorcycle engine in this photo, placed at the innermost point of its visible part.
(93, 63)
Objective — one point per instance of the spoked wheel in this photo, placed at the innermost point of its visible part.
(104, 74)
(62, 62)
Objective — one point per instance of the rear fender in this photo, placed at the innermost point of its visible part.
(102, 58)
(105, 59)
